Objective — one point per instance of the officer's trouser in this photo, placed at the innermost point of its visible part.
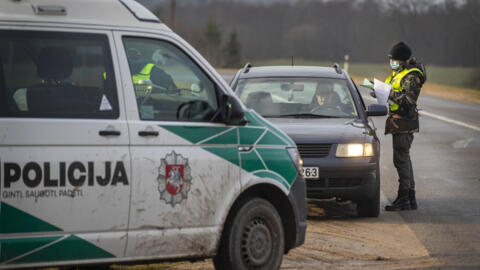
(401, 160)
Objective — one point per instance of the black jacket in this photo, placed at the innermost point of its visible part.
(405, 119)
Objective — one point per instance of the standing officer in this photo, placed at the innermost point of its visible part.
(407, 79)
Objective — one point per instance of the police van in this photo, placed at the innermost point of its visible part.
(119, 143)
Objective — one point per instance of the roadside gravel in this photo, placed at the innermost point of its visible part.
(337, 239)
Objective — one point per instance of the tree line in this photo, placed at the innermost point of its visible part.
(229, 32)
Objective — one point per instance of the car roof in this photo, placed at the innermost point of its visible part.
(292, 71)
(113, 13)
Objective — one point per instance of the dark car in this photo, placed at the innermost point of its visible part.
(321, 109)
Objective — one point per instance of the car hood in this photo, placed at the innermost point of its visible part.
(322, 130)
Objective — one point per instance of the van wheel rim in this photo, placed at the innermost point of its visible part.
(256, 244)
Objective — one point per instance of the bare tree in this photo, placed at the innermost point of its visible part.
(447, 34)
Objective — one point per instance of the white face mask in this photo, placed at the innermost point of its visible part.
(394, 64)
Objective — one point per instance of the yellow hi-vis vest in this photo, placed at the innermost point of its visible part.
(144, 74)
(396, 81)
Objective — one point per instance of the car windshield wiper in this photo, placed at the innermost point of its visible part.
(300, 115)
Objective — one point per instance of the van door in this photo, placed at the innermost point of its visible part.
(64, 160)
(185, 167)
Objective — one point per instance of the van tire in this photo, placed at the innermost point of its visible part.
(252, 239)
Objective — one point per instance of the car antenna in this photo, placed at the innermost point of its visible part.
(337, 68)
(293, 63)
(247, 67)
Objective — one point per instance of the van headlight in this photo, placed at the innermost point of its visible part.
(295, 156)
(354, 150)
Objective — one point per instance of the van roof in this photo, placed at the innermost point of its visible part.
(113, 13)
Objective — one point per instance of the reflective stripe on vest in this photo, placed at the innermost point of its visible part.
(396, 80)
(144, 74)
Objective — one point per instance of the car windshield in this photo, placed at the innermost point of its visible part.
(297, 97)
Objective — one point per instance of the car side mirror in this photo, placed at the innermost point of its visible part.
(377, 110)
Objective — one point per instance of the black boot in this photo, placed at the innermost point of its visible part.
(401, 202)
(413, 201)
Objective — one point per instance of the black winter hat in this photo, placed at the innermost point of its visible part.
(400, 52)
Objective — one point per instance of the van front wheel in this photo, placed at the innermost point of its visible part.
(253, 238)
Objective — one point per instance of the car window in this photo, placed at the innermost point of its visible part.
(274, 97)
(169, 86)
(56, 75)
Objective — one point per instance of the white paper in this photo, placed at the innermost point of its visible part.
(105, 105)
(367, 83)
(382, 91)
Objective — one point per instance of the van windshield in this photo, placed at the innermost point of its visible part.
(297, 97)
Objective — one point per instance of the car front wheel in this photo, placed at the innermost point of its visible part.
(252, 239)
(371, 207)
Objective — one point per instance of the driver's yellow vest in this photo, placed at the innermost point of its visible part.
(396, 81)
(144, 74)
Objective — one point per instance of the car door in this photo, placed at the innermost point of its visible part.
(185, 167)
(64, 160)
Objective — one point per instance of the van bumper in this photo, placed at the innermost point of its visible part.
(298, 200)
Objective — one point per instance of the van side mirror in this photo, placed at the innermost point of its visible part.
(377, 110)
(234, 112)
(230, 111)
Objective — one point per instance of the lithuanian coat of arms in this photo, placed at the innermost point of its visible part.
(174, 178)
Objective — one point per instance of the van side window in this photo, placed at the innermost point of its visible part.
(169, 86)
(56, 75)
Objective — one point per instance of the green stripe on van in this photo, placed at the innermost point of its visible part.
(71, 248)
(12, 248)
(249, 136)
(13, 220)
(279, 161)
(194, 134)
(270, 147)
(271, 139)
(260, 121)
(230, 137)
(251, 162)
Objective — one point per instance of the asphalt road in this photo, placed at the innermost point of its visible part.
(444, 232)
(446, 161)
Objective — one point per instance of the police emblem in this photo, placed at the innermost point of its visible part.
(174, 178)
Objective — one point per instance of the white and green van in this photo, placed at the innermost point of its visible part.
(119, 143)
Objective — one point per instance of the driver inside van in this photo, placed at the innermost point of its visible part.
(155, 73)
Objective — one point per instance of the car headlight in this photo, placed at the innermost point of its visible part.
(354, 150)
(295, 156)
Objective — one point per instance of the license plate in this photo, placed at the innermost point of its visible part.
(310, 172)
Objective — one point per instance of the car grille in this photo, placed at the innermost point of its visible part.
(334, 182)
(314, 150)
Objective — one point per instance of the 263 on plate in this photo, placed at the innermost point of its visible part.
(310, 172)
